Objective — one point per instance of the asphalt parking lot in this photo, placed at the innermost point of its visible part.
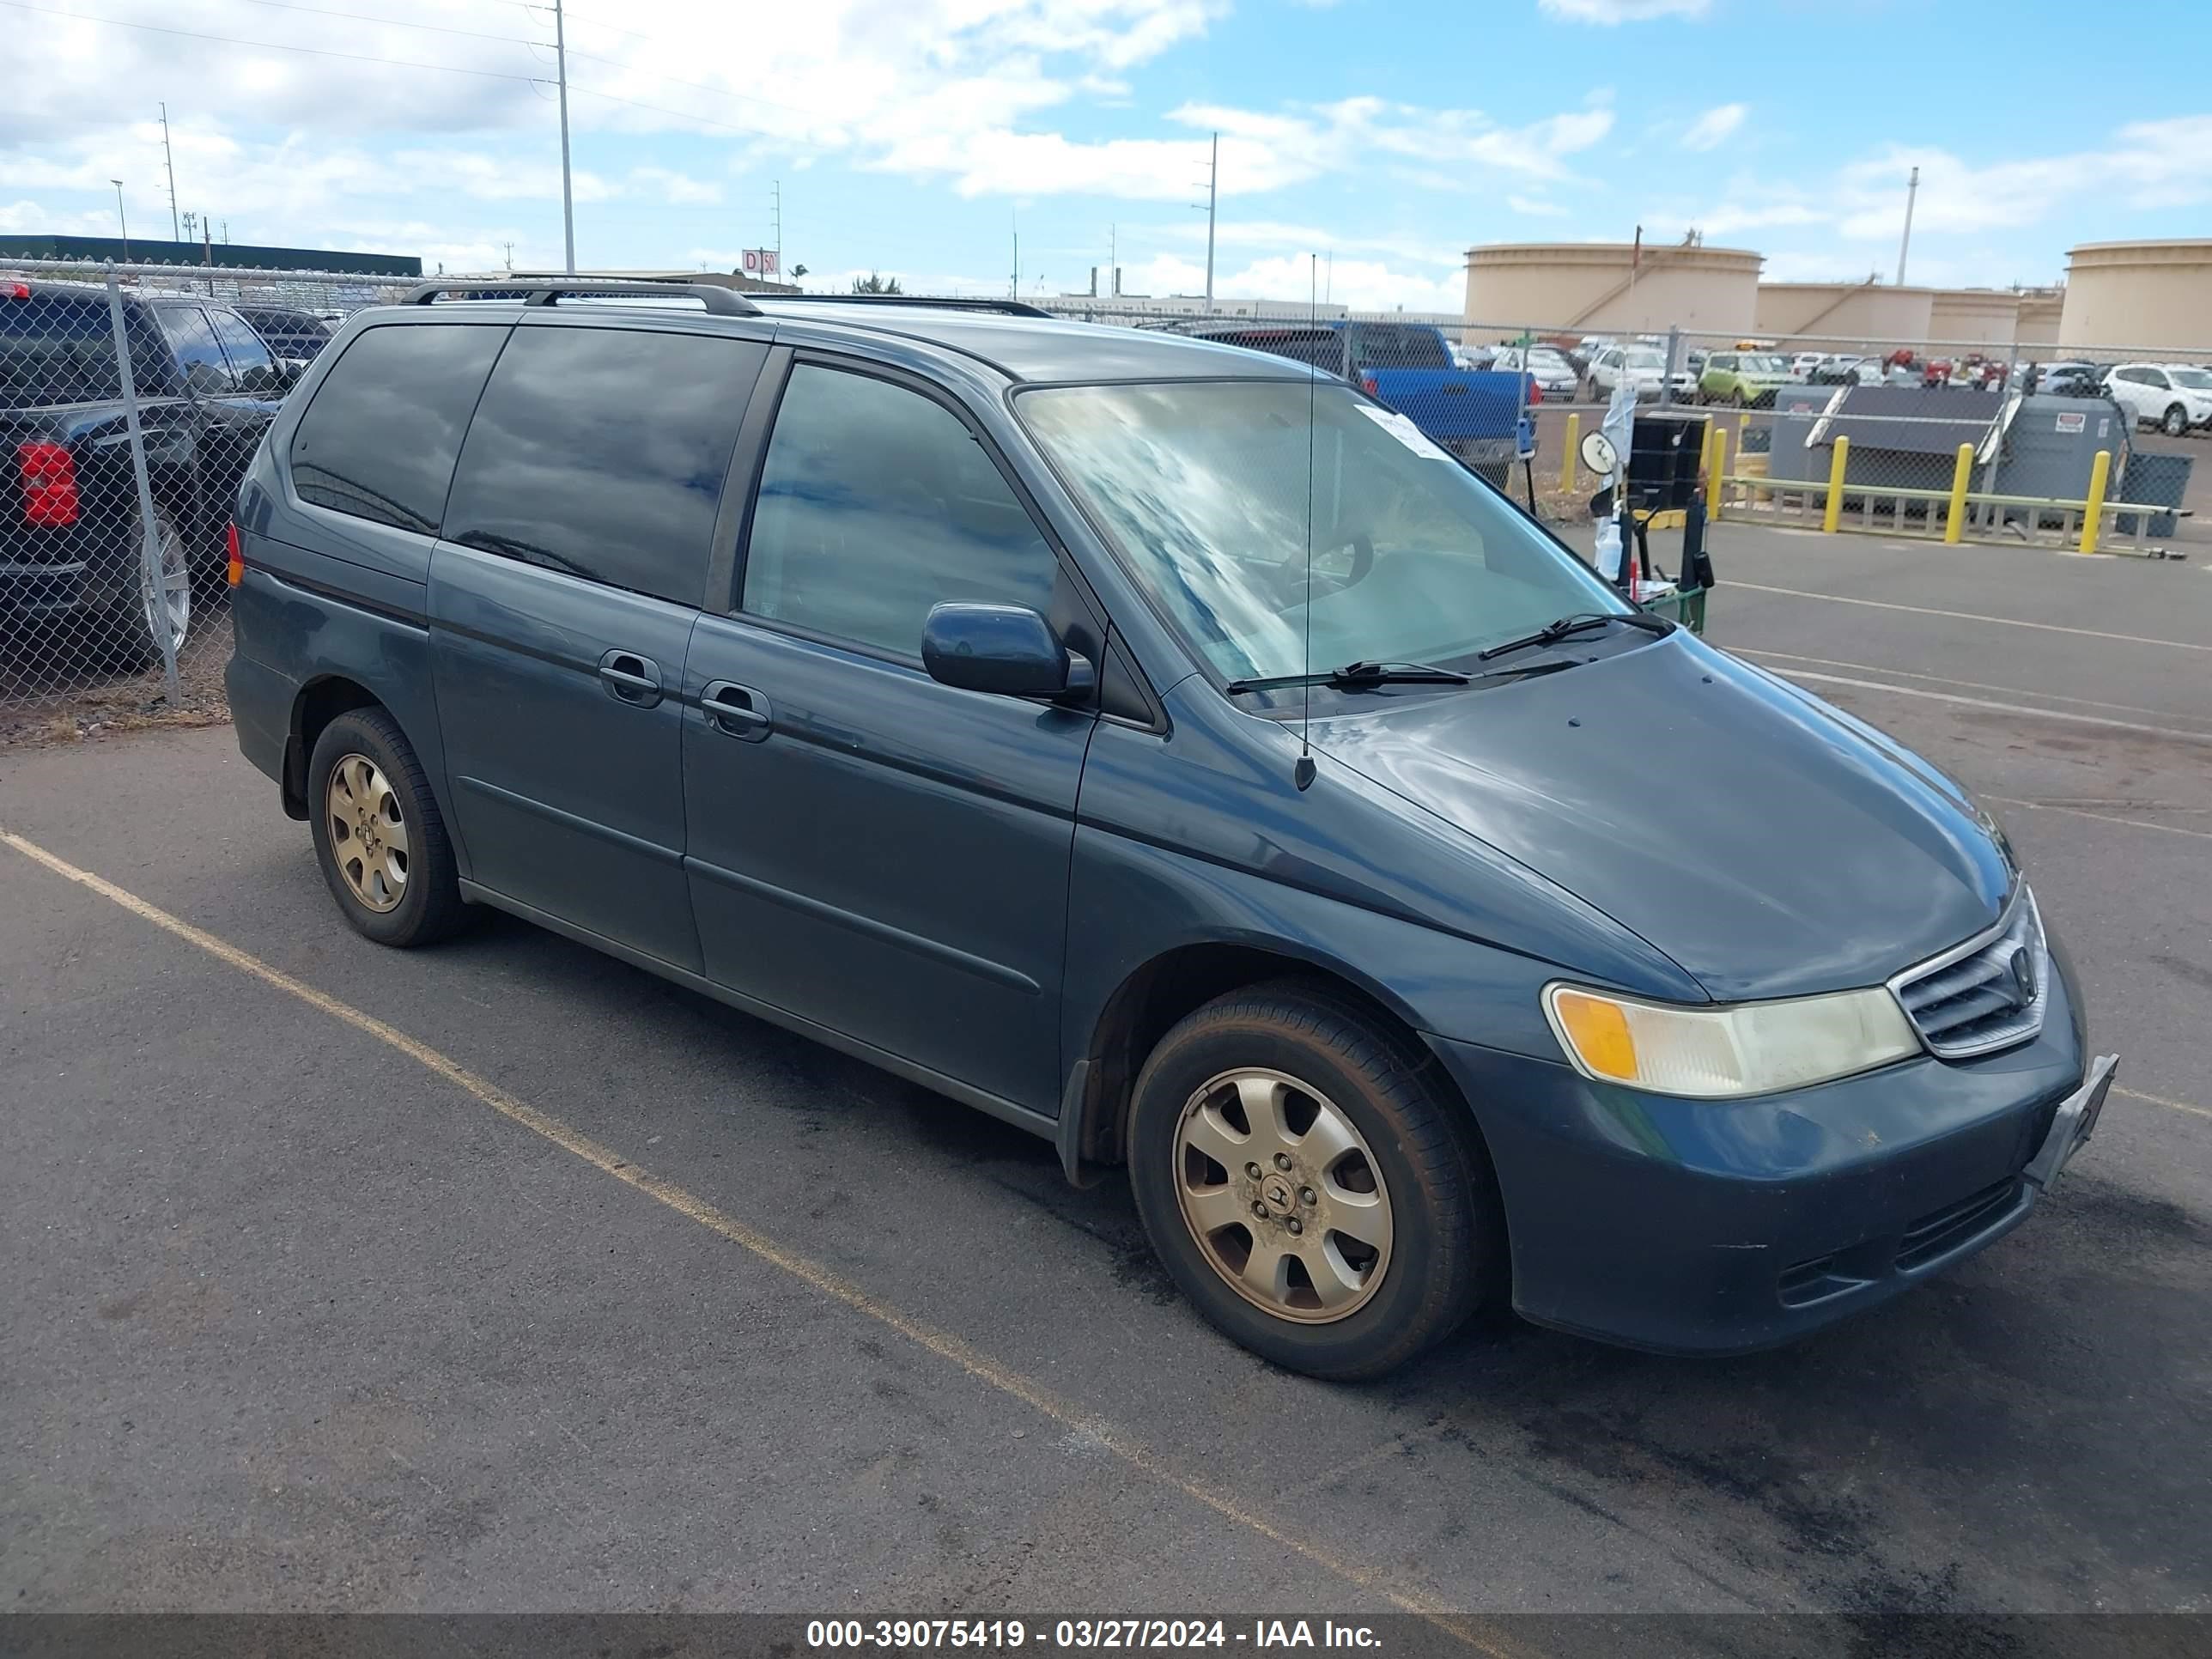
(503, 1277)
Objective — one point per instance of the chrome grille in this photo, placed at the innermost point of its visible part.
(1988, 994)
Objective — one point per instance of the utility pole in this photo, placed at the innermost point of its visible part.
(775, 207)
(510, 258)
(1017, 290)
(1911, 190)
(169, 161)
(1212, 200)
(567, 199)
(120, 220)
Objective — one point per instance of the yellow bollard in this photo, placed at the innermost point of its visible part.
(1954, 522)
(2100, 473)
(1717, 479)
(1835, 506)
(1567, 454)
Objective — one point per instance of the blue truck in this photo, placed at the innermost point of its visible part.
(1478, 415)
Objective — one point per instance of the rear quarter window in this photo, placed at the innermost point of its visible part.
(1392, 345)
(380, 439)
(602, 452)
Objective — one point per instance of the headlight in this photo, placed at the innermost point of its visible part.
(1751, 1048)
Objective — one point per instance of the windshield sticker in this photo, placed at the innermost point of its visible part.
(1402, 428)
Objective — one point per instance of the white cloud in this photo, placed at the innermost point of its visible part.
(1714, 128)
(1609, 12)
(2146, 165)
(1535, 209)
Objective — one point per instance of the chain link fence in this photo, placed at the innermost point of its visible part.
(1943, 439)
(132, 398)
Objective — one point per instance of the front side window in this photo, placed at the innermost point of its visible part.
(602, 452)
(379, 441)
(250, 362)
(877, 503)
(1206, 491)
(199, 353)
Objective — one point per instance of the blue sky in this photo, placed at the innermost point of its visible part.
(912, 136)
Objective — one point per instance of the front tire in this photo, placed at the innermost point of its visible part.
(1302, 1176)
(378, 836)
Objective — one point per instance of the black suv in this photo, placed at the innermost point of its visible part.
(207, 386)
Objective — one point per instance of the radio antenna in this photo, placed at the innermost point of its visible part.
(1303, 772)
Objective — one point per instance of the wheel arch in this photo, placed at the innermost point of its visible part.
(1152, 998)
(314, 706)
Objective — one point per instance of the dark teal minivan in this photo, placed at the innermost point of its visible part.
(1165, 748)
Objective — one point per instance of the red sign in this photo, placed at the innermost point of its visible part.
(760, 262)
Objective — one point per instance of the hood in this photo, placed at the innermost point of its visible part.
(1768, 844)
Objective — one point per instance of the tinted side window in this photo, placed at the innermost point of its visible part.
(877, 503)
(380, 437)
(198, 354)
(601, 452)
(249, 357)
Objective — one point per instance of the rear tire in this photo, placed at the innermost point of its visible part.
(380, 837)
(1377, 1229)
(2176, 422)
(136, 626)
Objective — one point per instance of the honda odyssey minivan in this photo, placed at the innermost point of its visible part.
(1167, 749)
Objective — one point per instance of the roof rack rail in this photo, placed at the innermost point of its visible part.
(539, 291)
(1003, 308)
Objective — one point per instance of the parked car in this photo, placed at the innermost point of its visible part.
(294, 336)
(959, 693)
(1586, 348)
(1473, 413)
(1746, 379)
(2068, 380)
(1643, 367)
(1471, 356)
(71, 565)
(1835, 368)
(1802, 365)
(1554, 375)
(2153, 394)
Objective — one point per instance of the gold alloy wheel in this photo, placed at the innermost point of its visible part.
(1283, 1195)
(368, 836)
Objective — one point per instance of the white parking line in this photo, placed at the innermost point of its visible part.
(2067, 715)
(1944, 680)
(1969, 616)
(2105, 818)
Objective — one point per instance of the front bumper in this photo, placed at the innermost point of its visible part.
(1707, 1227)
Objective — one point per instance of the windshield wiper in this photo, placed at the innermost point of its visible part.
(1358, 676)
(1580, 622)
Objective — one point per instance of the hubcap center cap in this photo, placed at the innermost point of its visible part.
(1278, 1196)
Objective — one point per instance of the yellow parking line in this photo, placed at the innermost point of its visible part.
(1406, 1598)
(2160, 1100)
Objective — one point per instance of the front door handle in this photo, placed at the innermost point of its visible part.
(738, 711)
(631, 679)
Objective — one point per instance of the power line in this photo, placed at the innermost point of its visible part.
(394, 22)
(658, 109)
(270, 45)
(702, 86)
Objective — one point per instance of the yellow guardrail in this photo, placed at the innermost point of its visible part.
(2094, 507)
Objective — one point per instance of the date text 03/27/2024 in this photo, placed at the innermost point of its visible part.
(1261, 1635)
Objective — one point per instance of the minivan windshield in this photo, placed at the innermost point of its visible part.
(1205, 488)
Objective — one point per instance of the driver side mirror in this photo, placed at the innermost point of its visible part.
(1009, 650)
